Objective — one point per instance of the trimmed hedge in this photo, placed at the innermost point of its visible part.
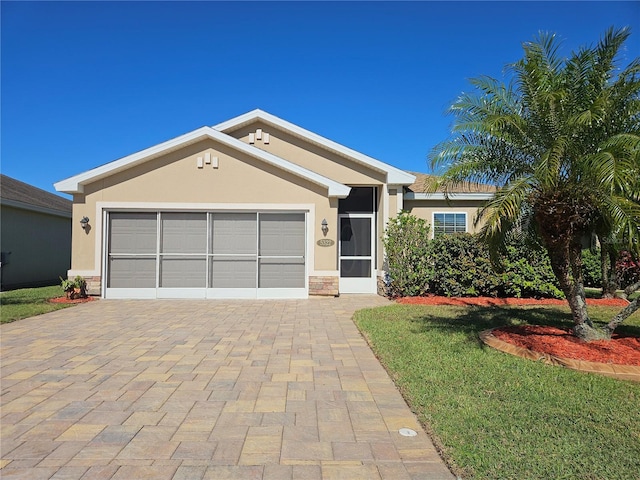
(459, 265)
(463, 268)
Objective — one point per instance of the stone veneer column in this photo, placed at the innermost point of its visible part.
(326, 286)
(94, 285)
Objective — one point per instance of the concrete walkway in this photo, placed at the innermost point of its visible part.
(204, 390)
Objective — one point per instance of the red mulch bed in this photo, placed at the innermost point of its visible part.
(620, 350)
(499, 302)
(69, 301)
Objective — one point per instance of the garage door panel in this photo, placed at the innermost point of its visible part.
(233, 233)
(233, 272)
(281, 273)
(282, 234)
(127, 272)
(184, 233)
(180, 272)
(133, 232)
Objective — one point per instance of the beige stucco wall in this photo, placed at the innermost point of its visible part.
(175, 178)
(393, 202)
(426, 208)
(39, 246)
(311, 156)
(324, 162)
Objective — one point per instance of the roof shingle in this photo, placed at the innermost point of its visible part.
(422, 182)
(17, 191)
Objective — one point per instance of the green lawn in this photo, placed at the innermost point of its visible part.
(27, 302)
(496, 416)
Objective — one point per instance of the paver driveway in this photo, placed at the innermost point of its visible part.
(204, 389)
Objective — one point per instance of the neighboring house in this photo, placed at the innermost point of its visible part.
(254, 207)
(35, 238)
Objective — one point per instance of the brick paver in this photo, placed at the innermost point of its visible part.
(204, 390)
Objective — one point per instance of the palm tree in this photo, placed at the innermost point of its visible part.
(561, 141)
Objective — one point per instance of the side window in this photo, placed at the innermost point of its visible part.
(447, 223)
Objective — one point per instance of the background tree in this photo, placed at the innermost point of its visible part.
(561, 141)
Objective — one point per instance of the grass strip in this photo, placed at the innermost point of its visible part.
(28, 302)
(496, 416)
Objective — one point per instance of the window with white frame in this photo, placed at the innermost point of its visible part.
(448, 223)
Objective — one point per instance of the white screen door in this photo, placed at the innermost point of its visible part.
(357, 247)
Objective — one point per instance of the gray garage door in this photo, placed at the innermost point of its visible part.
(206, 255)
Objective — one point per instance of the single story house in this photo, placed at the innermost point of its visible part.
(35, 238)
(253, 207)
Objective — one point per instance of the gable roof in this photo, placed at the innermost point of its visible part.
(15, 193)
(76, 183)
(470, 191)
(395, 176)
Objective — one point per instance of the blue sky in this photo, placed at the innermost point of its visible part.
(85, 83)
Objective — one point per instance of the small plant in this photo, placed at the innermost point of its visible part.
(76, 288)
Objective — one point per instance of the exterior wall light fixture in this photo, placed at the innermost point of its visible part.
(325, 227)
(84, 222)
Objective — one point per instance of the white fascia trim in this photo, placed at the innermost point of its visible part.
(394, 175)
(76, 184)
(451, 196)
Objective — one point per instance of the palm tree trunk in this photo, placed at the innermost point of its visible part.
(622, 316)
(608, 258)
(630, 289)
(567, 266)
(583, 329)
(626, 311)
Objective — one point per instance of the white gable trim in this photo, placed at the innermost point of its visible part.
(76, 183)
(394, 175)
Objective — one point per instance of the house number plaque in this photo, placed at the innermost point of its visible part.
(325, 242)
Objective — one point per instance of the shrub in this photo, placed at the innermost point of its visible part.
(527, 272)
(628, 269)
(592, 268)
(462, 267)
(406, 244)
(459, 265)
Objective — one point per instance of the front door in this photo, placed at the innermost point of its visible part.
(357, 247)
